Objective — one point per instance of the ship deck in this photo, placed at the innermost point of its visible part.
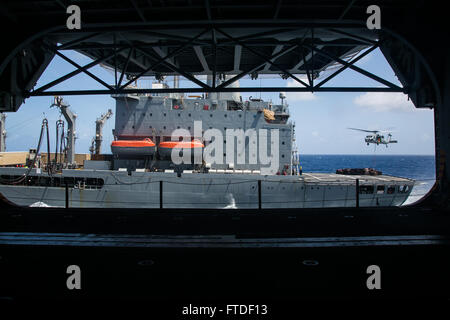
(339, 178)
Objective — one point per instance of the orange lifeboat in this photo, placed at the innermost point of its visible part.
(165, 148)
(145, 147)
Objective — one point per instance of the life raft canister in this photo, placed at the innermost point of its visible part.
(165, 148)
(145, 147)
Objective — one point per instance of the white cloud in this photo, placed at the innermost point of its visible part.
(299, 96)
(384, 101)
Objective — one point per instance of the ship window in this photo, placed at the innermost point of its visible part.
(189, 114)
(225, 115)
(282, 155)
(403, 189)
(240, 116)
(380, 189)
(365, 189)
(179, 115)
(151, 114)
(282, 142)
(391, 190)
(164, 114)
(210, 115)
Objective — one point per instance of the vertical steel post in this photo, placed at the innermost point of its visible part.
(67, 196)
(160, 194)
(357, 193)
(259, 194)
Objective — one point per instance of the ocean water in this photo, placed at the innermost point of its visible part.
(420, 168)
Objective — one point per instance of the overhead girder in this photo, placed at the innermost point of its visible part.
(238, 48)
(146, 45)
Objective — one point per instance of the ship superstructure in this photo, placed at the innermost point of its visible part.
(238, 133)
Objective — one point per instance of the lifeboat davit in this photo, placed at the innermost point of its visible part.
(166, 148)
(134, 148)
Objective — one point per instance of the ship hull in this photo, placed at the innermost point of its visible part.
(199, 190)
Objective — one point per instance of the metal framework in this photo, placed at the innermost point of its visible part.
(308, 51)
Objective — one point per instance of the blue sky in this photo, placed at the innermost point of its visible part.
(321, 119)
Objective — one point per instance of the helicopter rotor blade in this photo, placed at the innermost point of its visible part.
(372, 131)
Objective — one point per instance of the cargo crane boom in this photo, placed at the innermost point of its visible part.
(70, 118)
(2, 132)
(97, 140)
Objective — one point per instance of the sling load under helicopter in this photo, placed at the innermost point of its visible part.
(376, 138)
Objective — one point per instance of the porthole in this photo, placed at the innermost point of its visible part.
(210, 115)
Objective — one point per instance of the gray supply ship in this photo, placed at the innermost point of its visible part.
(209, 151)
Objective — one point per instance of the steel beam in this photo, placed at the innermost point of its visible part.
(264, 57)
(217, 89)
(362, 71)
(69, 45)
(93, 76)
(352, 62)
(75, 72)
(201, 57)
(124, 69)
(248, 71)
(162, 61)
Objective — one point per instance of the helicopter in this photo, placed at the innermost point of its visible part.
(376, 138)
